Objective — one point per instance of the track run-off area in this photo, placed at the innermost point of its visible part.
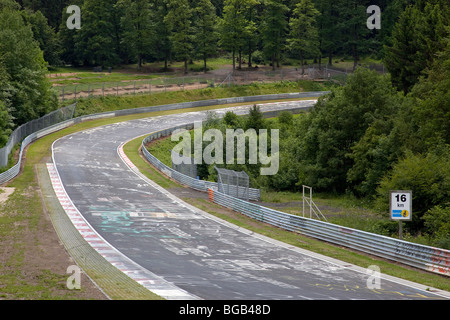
(178, 251)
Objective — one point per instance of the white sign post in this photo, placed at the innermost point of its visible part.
(400, 207)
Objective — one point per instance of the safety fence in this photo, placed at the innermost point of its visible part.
(14, 171)
(162, 83)
(38, 131)
(33, 126)
(423, 257)
(196, 184)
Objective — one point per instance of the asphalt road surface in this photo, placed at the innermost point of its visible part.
(181, 252)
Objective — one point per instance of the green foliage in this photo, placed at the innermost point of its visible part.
(286, 118)
(45, 35)
(178, 20)
(353, 29)
(5, 124)
(428, 176)
(98, 42)
(162, 45)
(5, 117)
(232, 26)
(255, 119)
(232, 120)
(304, 37)
(437, 223)
(337, 123)
(26, 93)
(274, 28)
(431, 99)
(416, 38)
(205, 32)
(137, 26)
(67, 39)
(120, 31)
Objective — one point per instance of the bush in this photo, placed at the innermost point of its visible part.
(437, 223)
(286, 117)
(428, 176)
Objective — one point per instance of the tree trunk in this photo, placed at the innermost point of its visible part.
(234, 60)
(139, 61)
(302, 64)
(185, 65)
(240, 59)
(204, 63)
(250, 55)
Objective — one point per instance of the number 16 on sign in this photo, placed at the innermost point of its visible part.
(400, 207)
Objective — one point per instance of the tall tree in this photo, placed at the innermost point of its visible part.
(251, 31)
(98, 40)
(44, 35)
(67, 39)
(137, 26)
(352, 25)
(178, 20)
(328, 34)
(337, 123)
(6, 122)
(50, 8)
(232, 27)
(27, 91)
(416, 38)
(274, 27)
(162, 47)
(304, 37)
(205, 30)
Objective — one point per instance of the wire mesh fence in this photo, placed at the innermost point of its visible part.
(32, 126)
(233, 183)
(163, 83)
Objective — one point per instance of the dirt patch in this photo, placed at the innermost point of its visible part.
(5, 192)
(57, 75)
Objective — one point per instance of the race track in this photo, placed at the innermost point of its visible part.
(180, 252)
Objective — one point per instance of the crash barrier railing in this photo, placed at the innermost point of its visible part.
(39, 132)
(432, 259)
(196, 184)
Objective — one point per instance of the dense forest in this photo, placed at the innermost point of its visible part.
(134, 31)
(376, 133)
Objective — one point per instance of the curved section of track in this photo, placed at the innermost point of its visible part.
(181, 252)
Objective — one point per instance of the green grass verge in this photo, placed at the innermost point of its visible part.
(343, 254)
(113, 103)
